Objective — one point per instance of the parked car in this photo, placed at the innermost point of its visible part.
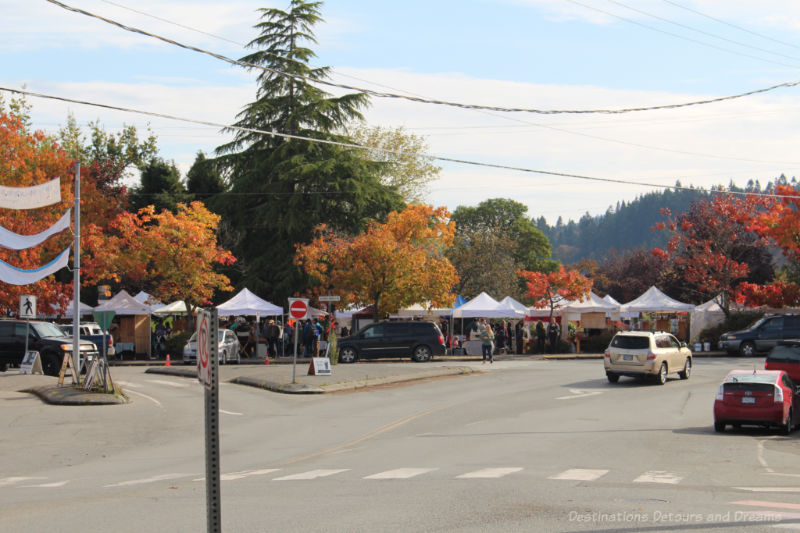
(91, 331)
(785, 356)
(757, 397)
(654, 354)
(761, 336)
(418, 339)
(228, 348)
(43, 337)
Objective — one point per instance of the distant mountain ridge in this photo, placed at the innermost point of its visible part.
(627, 226)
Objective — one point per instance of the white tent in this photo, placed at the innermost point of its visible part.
(508, 301)
(421, 310)
(655, 301)
(485, 306)
(616, 315)
(148, 300)
(705, 315)
(123, 303)
(178, 307)
(247, 303)
(558, 308)
(67, 312)
(591, 303)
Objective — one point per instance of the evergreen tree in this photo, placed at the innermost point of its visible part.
(160, 186)
(282, 188)
(203, 181)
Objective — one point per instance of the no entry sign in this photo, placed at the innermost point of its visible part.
(298, 308)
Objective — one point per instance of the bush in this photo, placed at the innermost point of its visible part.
(176, 342)
(597, 343)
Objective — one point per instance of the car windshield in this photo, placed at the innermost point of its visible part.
(750, 378)
(46, 329)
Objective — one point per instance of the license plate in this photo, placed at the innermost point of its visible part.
(748, 399)
(627, 358)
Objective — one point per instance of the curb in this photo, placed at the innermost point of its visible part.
(58, 395)
(274, 386)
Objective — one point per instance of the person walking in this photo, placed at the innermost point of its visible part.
(518, 336)
(308, 339)
(500, 336)
(540, 336)
(487, 336)
(272, 334)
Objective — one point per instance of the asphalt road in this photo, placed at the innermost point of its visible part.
(525, 446)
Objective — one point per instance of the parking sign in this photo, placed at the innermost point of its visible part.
(204, 347)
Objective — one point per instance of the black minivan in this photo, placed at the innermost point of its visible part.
(417, 339)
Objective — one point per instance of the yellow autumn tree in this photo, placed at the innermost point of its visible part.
(391, 265)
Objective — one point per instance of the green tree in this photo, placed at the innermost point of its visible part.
(485, 262)
(408, 169)
(203, 181)
(160, 186)
(281, 189)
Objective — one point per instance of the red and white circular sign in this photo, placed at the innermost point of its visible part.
(298, 309)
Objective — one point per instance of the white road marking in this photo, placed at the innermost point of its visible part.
(176, 384)
(230, 412)
(47, 485)
(760, 454)
(580, 474)
(128, 384)
(658, 476)
(577, 393)
(311, 474)
(154, 479)
(401, 473)
(12, 480)
(774, 505)
(241, 475)
(489, 473)
(148, 397)
(770, 489)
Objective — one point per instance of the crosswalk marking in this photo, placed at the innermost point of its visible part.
(53, 485)
(401, 473)
(658, 476)
(580, 474)
(770, 489)
(162, 477)
(13, 480)
(176, 384)
(489, 473)
(246, 473)
(311, 474)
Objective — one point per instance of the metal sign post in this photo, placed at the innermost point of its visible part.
(298, 309)
(208, 374)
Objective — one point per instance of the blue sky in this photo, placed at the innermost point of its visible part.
(566, 54)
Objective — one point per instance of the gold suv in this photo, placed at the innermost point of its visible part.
(647, 354)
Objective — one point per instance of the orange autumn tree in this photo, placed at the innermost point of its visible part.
(27, 159)
(391, 265)
(171, 255)
(545, 288)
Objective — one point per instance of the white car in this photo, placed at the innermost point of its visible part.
(228, 347)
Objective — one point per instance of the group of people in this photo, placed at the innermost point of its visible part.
(502, 337)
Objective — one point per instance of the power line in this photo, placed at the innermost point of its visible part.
(702, 43)
(676, 4)
(384, 150)
(378, 94)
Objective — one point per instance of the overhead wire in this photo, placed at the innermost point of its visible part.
(383, 150)
(378, 94)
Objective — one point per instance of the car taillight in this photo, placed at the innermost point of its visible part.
(720, 393)
(441, 339)
(110, 342)
(651, 356)
(778, 394)
(607, 354)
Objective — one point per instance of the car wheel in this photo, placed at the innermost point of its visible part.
(238, 359)
(51, 366)
(612, 378)
(719, 427)
(786, 428)
(687, 369)
(3, 367)
(747, 349)
(661, 378)
(347, 355)
(422, 354)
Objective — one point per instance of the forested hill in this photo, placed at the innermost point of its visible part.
(628, 225)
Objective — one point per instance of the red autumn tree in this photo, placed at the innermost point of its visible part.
(391, 265)
(711, 248)
(781, 224)
(170, 255)
(547, 288)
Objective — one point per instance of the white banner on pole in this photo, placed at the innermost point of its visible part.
(41, 195)
(20, 276)
(15, 241)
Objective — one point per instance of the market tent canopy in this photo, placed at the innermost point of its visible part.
(655, 301)
(558, 308)
(123, 303)
(148, 300)
(85, 309)
(247, 303)
(178, 307)
(485, 306)
(591, 303)
(421, 310)
(508, 301)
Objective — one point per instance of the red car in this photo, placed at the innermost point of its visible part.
(757, 397)
(785, 356)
